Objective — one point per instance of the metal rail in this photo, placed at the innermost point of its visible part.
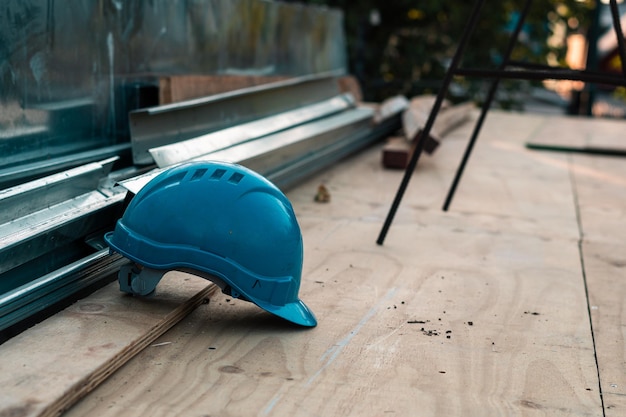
(10, 177)
(29, 299)
(285, 150)
(203, 145)
(163, 125)
(45, 229)
(25, 199)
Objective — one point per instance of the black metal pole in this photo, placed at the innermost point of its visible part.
(620, 35)
(490, 95)
(545, 74)
(467, 32)
(583, 100)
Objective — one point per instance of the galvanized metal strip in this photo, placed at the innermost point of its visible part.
(376, 131)
(135, 184)
(31, 298)
(238, 154)
(18, 174)
(162, 125)
(296, 171)
(278, 150)
(34, 235)
(25, 199)
(225, 138)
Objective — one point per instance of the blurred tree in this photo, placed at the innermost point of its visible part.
(404, 46)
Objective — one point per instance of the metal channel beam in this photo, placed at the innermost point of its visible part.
(34, 235)
(44, 225)
(225, 138)
(41, 293)
(280, 174)
(281, 149)
(311, 163)
(25, 199)
(158, 126)
(277, 148)
(25, 172)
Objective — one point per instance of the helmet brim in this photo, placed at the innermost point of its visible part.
(296, 312)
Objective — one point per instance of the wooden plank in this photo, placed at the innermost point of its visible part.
(397, 153)
(49, 367)
(497, 272)
(176, 88)
(605, 265)
(601, 192)
(580, 133)
(165, 90)
(449, 117)
(519, 337)
(416, 115)
(504, 179)
(349, 84)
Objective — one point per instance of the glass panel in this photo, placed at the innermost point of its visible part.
(71, 70)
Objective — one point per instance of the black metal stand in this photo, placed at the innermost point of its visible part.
(521, 71)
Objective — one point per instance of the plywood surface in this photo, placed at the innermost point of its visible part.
(581, 132)
(44, 370)
(396, 335)
(482, 310)
(176, 88)
(601, 195)
(605, 265)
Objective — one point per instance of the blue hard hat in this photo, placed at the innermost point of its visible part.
(225, 220)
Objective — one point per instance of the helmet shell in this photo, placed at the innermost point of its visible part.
(225, 220)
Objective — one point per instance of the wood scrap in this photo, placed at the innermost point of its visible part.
(416, 115)
(322, 195)
(582, 138)
(389, 107)
(414, 119)
(49, 367)
(396, 152)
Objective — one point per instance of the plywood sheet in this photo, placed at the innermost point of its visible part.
(439, 322)
(483, 310)
(44, 370)
(176, 88)
(601, 194)
(580, 133)
(605, 266)
(600, 184)
(478, 311)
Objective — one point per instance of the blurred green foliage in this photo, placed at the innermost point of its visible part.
(403, 46)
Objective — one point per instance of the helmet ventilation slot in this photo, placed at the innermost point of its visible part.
(198, 174)
(235, 178)
(217, 174)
